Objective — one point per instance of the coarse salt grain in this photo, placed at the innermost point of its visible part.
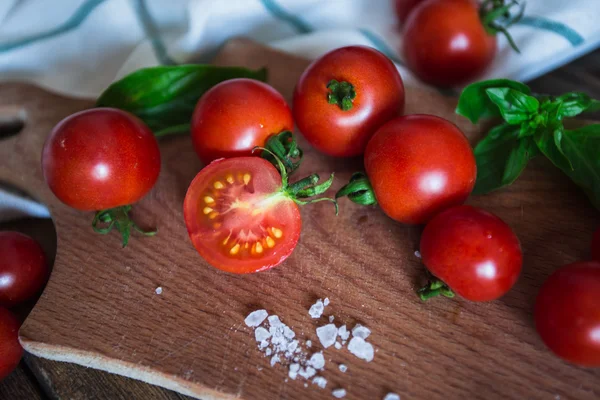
(327, 334)
(261, 334)
(316, 310)
(288, 333)
(274, 321)
(317, 360)
(418, 255)
(391, 396)
(308, 343)
(343, 367)
(275, 359)
(326, 301)
(307, 372)
(338, 345)
(343, 332)
(320, 382)
(255, 318)
(361, 331)
(361, 349)
(339, 393)
(331, 318)
(268, 352)
(158, 290)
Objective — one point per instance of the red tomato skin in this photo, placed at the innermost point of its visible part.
(404, 8)
(284, 213)
(379, 98)
(567, 313)
(473, 251)
(100, 158)
(445, 43)
(596, 245)
(23, 268)
(10, 348)
(418, 166)
(237, 115)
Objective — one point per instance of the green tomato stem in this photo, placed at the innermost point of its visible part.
(434, 288)
(118, 218)
(341, 93)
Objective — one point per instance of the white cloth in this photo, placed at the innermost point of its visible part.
(79, 47)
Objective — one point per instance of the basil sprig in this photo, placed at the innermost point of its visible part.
(165, 97)
(532, 125)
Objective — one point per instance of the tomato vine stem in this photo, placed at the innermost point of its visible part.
(341, 93)
(118, 218)
(434, 288)
(358, 190)
(496, 17)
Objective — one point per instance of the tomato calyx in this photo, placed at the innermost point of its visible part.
(284, 146)
(358, 190)
(434, 287)
(118, 218)
(496, 17)
(341, 93)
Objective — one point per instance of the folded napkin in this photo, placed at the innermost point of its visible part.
(78, 47)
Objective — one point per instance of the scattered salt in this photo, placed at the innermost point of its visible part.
(317, 360)
(158, 290)
(331, 318)
(261, 334)
(255, 318)
(306, 385)
(274, 321)
(308, 343)
(326, 301)
(361, 331)
(307, 372)
(320, 382)
(316, 310)
(293, 345)
(339, 393)
(263, 344)
(327, 334)
(275, 359)
(343, 368)
(418, 255)
(391, 396)
(338, 345)
(361, 349)
(268, 352)
(288, 333)
(343, 332)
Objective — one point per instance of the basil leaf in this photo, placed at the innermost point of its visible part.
(501, 157)
(572, 104)
(475, 104)
(165, 96)
(582, 148)
(548, 142)
(515, 107)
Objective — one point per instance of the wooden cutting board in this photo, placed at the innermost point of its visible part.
(100, 308)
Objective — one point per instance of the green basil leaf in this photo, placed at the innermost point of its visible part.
(475, 104)
(515, 107)
(582, 148)
(164, 97)
(572, 104)
(501, 157)
(548, 142)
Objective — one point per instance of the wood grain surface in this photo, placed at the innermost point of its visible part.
(100, 308)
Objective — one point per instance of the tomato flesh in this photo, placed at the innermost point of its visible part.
(418, 166)
(596, 245)
(23, 268)
(238, 218)
(567, 313)
(473, 251)
(10, 348)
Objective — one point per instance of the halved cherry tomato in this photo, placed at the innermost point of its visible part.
(567, 313)
(10, 348)
(419, 165)
(596, 245)
(344, 96)
(23, 268)
(237, 115)
(472, 251)
(239, 217)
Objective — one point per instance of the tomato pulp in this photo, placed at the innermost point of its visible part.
(472, 251)
(23, 268)
(567, 316)
(10, 348)
(445, 42)
(100, 158)
(235, 116)
(418, 166)
(344, 96)
(238, 216)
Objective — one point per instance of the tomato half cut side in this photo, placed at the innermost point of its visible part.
(239, 218)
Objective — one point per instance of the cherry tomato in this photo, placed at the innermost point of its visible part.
(10, 348)
(596, 245)
(237, 115)
(23, 268)
(418, 166)
(344, 96)
(100, 159)
(404, 8)
(567, 313)
(238, 216)
(445, 42)
(472, 251)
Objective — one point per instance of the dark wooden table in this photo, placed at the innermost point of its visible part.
(37, 378)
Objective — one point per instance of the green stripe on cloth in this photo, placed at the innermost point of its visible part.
(559, 28)
(381, 45)
(278, 12)
(153, 33)
(76, 19)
